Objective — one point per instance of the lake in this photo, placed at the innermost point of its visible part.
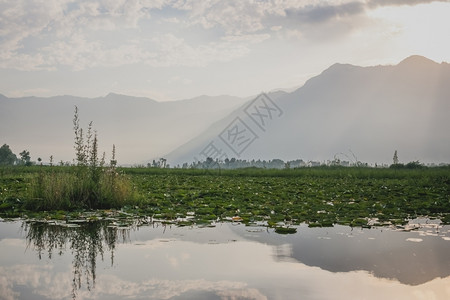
(107, 260)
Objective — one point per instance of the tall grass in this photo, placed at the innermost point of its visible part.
(89, 183)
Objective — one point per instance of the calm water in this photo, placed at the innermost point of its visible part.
(228, 261)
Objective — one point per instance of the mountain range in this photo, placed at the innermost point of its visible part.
(140, 128)
(347, 112)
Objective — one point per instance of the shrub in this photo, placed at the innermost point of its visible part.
(87, 184)
(414, 165)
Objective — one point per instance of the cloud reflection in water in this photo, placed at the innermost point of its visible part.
(192, 263)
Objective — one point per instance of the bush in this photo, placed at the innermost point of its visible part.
(88, 184)
(410, 165)
(67, 189)
(414, 165)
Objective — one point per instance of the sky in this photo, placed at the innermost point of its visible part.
(178, 49)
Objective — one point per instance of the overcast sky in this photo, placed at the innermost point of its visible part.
(178, 49)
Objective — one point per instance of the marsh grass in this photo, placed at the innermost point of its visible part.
(68, 189)
(317, 196)
(87, 184)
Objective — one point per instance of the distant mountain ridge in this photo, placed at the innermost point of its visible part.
(139, 127)
(350, 113)
(347, 112)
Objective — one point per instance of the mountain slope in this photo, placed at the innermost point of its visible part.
(139, 127)
(351, 113)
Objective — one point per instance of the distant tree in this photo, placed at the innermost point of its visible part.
(414, 165)
(113, 162)
(276, 164)
(395, 158)
(25, 157)
(162, 162)
(7, 157)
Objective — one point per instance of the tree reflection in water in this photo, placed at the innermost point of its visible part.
(86, 241)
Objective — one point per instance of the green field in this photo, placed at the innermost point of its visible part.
(320, 196)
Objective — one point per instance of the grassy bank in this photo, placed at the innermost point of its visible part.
(320, 196)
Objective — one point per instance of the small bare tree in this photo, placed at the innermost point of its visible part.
(395, 158)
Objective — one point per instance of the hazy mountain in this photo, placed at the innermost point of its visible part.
(348, 112)
(141, 128)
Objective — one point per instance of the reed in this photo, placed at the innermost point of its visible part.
(89, 183)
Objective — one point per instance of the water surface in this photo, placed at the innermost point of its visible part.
(229, 261)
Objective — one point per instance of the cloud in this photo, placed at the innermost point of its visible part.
(111, 14)
(110, 33)
(174, 51)
(242, 17)
(323, 13)
(234, 17)
(163, 33)
(322, 22)
(376, 3)
(106, 33)
(37, 278)
(20, 20)
(167, 289)
(6, 286)
(248, 38)
(79, 53)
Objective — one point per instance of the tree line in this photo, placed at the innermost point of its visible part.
(8, 158)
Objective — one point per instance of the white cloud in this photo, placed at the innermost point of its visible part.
(45, 35)
(166, 289)
(375, 3)
(75, 35)
(247, 38)
(101, 35)
(20, 20)
(276, 28)
(79, 53)
(6, 286)
(44, 281)
(48, 34)
(36, 277)
(174, 51)
(235, 17)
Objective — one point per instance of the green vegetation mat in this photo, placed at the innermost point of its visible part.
(320, 196)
